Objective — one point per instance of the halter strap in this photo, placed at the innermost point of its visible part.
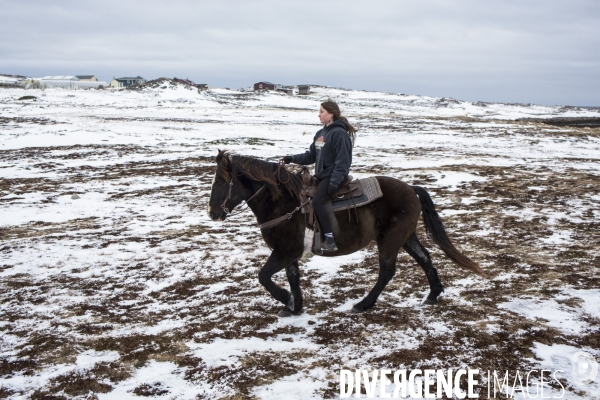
(226, 210)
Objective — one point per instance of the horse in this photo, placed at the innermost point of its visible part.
(272, 191)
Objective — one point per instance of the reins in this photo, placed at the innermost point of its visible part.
(273, 222)
(281, 165)
(285, 217)
(276, 221)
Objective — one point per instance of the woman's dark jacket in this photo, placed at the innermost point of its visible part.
(331, 152)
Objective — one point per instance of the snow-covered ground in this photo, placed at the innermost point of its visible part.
(115, 282)
(8, 79)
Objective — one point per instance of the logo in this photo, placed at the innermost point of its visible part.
(585, 368)
(319, 142)
(461, 383)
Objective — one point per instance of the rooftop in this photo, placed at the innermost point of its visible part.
(62, 77)
(128, 78)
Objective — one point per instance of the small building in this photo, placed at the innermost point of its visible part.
(286, 90)
(303, 90)
(59, 81)
(87, 78)
(185, 81)
(126, 82)
(200, 86)
(266, 86)
(69, 82)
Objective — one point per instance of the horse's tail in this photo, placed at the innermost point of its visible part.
(435, 228)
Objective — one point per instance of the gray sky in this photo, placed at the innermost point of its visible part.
(544, 52)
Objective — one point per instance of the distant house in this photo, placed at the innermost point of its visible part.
(266, 86)
(126, 81)
(184, 81)
(303, 89)
(200, 86)
(286, 90)
(87, 78)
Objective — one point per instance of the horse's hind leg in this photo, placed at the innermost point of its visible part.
(388, 252)
(420, 253)
(295, 303)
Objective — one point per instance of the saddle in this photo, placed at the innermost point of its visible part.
(348, 189)
(351, 195)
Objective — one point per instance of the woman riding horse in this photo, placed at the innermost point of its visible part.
(390, 221)
(331, 152)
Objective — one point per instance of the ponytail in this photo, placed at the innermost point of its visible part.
(351, 129)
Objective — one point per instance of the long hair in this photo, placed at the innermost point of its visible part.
(331, 107)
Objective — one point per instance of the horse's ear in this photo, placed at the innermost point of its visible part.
(222, 158)
(226, 159)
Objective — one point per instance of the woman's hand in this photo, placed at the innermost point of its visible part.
(287, 159)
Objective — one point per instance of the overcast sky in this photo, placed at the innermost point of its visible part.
(544, 52)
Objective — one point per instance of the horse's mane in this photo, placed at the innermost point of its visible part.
(260, 171)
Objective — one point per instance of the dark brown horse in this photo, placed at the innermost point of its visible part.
(391, 221)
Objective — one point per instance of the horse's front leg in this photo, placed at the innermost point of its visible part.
(276, 263)
(294, 305)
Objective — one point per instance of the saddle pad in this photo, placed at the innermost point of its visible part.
(371, 190)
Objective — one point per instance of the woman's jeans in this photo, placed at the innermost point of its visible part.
(323, 209)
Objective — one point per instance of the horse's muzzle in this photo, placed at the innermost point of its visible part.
(216, 216)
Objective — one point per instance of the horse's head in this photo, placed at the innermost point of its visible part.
(227, 191)
(241, 178)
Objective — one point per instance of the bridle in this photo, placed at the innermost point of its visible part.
(225, 209)
(276, 221)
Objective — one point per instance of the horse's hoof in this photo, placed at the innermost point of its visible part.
(356, 311)
(285, 312)
(429, 302)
